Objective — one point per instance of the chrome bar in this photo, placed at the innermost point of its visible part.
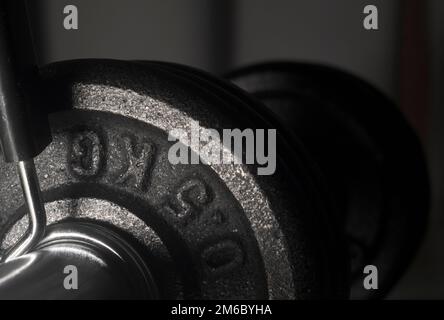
(36, 210)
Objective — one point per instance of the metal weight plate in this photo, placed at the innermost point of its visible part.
(209, 231)
(371, 160)
(335, 249)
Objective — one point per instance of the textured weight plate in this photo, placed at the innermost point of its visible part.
(337, 275)
(229, 233)
(370, 157)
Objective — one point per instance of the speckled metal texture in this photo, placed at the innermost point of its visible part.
(228, 232)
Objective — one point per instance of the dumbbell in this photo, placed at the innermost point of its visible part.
(369, 156)
(203, 230)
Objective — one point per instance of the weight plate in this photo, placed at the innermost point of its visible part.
(337, 275)
(229, 233)
(371, 159)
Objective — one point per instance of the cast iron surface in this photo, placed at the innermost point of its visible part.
(372, 160)
(228, 232)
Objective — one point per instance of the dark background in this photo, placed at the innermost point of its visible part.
(404, 58)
